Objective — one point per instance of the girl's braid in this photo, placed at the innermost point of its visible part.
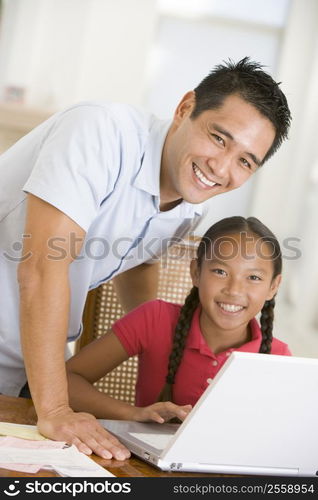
(266, 321)
(179, 340)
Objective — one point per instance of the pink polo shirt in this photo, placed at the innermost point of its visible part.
(148, 331)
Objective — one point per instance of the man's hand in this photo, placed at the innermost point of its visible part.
(161, 412)
(84, 431)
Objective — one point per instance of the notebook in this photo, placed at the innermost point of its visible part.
(258, 416)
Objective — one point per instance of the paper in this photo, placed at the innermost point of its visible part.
(26, 443)
(15, 453)
(21, 431)
(66, 461)
(98, 471)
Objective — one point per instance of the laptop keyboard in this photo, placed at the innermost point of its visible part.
(159, 441)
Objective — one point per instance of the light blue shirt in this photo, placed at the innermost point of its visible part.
(99, 163)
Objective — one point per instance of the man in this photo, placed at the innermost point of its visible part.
(95, 193)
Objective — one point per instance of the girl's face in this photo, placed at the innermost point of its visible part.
(234, 281)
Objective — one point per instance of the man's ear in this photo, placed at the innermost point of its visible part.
(194, 272)
(274, 287)
(185, 107)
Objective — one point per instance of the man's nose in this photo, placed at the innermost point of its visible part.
(220, 165)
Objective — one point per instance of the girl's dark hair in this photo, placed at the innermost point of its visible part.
(229, 225)
(246, 79)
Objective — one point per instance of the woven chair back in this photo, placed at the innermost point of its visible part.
(102, 309)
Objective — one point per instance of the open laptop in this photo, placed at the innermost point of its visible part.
(259, 415)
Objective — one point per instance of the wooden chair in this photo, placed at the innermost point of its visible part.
(102, 309)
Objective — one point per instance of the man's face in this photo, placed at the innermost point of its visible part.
(214, 153)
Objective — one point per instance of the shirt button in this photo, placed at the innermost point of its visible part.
(214, 363)
(209, 380)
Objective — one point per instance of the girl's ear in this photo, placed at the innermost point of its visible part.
(194, 271)
(274, 287)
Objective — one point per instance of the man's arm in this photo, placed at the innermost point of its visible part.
(44, 316)
(137, 285)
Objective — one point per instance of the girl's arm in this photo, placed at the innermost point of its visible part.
(93, 362)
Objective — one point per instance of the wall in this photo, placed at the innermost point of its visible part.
(63, 51)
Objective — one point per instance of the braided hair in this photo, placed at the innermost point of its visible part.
(266, 321)
(229, 225)
(179, 340)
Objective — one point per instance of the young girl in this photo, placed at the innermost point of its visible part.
(181, 348)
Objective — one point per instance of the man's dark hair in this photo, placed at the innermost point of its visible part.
(246, 79)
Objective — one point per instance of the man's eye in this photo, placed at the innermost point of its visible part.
(218, 139)
(246, 163)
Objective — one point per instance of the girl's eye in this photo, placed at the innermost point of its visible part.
(218, 139)
(221, 272)
(245, 163)
(253, 277)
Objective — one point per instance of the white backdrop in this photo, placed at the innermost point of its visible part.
(286, 195)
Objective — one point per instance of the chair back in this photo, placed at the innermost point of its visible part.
(102, 309)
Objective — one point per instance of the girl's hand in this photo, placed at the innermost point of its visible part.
(161, 412)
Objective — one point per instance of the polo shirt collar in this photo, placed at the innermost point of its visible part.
(255, 343)
(148, 176)
(197, 341)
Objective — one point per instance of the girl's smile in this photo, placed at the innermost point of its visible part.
(230, 308)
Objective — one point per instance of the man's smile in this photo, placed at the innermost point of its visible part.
(202, 178)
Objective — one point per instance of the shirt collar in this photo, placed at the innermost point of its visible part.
(255, 343)
(197, 341)
(148, 176)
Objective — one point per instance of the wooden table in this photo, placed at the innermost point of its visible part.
(20, 411)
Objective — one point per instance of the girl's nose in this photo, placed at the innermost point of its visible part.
(233, 287)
